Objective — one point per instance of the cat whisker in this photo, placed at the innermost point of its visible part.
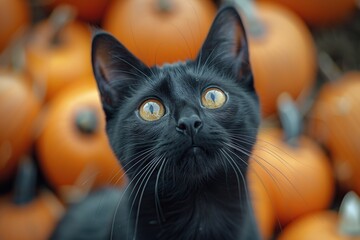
(141, 154)
(261, 144)
(267, 170)
(251, 155)
(140, 172)
(237, 148)
(267, 165)
(145, 145)
(262, 147)
(149, 153)
(226, 157)
(237, 171)
(143, 183)
(160, 215)
(116, 174)
(220, 156)
(241, 140)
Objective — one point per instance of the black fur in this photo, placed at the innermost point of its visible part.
(183, 184)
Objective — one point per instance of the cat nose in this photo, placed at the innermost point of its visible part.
(189, 125)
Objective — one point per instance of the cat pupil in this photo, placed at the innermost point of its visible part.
(151, 108)
(212, 96)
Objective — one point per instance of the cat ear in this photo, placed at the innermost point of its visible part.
(116, 70)
(226, 45)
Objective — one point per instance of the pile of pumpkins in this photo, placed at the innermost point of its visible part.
(53, 146)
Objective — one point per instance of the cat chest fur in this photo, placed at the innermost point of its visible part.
(205, 213)
(203, 220)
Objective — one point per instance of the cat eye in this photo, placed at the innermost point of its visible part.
(151, 110)
(213, 98)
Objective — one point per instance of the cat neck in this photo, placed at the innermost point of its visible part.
(204, 210)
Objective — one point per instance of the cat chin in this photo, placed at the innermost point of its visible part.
(195, 152)
(194, 163)
(194, 156)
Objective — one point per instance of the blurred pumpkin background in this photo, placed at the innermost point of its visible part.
(305, 56)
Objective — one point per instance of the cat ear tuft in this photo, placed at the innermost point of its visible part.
(115, 69)
(226, 45)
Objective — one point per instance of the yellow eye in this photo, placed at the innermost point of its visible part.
(151, 110)
(213, 98)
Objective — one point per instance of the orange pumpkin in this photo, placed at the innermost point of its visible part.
(298, 179)
(335, 122)
(263, 205)
(282, 54)
(73, 148)
(92, 11)
(315, 226)
(33, 221)
(320, 12)
(328, 225)
(161, 31)
(19, 108)
(57, 58)
(27, 217)
(14, 14)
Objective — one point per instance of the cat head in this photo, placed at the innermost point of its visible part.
(191, 119)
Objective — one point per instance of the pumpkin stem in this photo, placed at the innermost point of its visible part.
(59, 18)
(350, 215)
(290, 119)
(164, 6)
(328, 67)
(86, 121)
(13, 56)
(25, 182)
(255, 27)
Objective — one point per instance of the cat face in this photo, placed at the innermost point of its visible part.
(189, 120)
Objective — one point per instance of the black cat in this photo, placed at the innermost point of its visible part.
(183, 133)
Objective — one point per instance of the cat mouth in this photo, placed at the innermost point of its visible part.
(195, 151)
